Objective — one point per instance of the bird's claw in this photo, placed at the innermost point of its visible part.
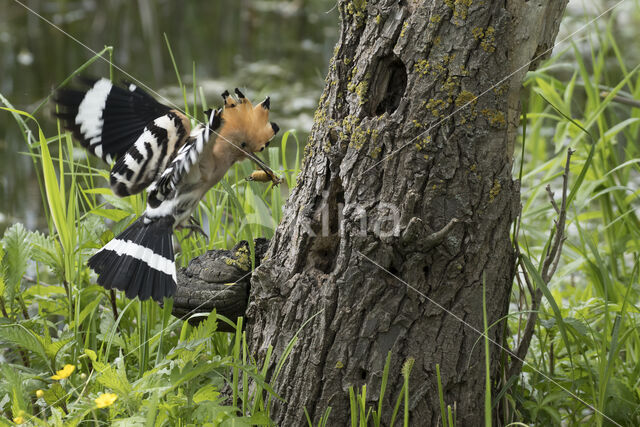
(193, 228)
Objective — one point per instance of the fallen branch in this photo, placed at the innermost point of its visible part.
(549, 266)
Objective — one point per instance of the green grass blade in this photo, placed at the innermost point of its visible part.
(175, 67)
(353, 407)
(441, 395)
(383, 387)
(487, 361)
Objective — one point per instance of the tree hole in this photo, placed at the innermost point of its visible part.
(393, 270)
(363, 374)
(389, 85)
(326, 226)
(324, 260)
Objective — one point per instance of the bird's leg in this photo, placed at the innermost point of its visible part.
(193, 227)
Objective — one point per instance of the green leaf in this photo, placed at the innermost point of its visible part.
(257, 419)
(23, 337)
(55, 395)
(549, 92)
(114, 378)
(112, 214)
(208, 392)
(614, 130)
(91, 354)
(205, 329)
(43, 292)
(101, 190)
(191, 371)
(45, 250)
(91, 229)
(13, 383)
(621, 402)
(17, 249)
(152, 411)
(209, 412)
(554, 413)
(86, 311)
(578, 326)
(52, 348)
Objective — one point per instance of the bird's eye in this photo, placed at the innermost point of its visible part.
(244, 144)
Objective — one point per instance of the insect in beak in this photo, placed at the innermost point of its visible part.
(272, 175)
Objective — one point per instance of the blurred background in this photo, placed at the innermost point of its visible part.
(279, 48)
(276, 48)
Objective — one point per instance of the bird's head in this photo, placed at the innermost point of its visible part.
(246, 126)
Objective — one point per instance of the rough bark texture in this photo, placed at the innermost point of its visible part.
(217, 280)
(400, 69)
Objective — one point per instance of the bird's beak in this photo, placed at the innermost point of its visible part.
(263, 166)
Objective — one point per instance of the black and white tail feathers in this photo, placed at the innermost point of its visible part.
(107, 119)
(139, 261)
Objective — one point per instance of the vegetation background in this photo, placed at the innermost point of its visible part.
(55, 211)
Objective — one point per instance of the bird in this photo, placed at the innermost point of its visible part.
(153, 147)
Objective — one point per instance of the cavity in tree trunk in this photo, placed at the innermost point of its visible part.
(415, 128)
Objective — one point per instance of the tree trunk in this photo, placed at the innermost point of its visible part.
(414, 134)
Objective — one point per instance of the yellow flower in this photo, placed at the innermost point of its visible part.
(64, 373)
(106, 399)
(18, 420)
(39, 393)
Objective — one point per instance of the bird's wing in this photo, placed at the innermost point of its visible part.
(106, 119)
(150, 154)
(187, 156)
(127, 124)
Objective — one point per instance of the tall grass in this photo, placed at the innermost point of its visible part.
(587, 339)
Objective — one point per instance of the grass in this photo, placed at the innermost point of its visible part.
(586, 338)
(586, 342)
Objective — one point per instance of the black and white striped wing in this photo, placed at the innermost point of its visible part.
(187, 156)
(126, 124)
(150, 154)
(106, 119)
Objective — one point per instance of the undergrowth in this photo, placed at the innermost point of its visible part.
(586, 345)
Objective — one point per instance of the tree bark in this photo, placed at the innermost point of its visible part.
(217, 280)
(414, 133)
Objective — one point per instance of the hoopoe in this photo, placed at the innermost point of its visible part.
(155, 148)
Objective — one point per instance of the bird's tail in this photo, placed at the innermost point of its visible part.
(139, 261)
